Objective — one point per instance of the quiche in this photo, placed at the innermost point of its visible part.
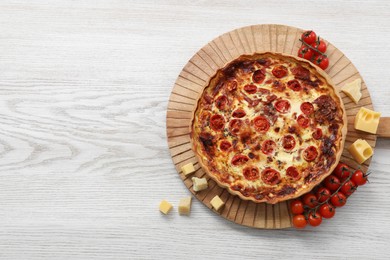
(268, 127)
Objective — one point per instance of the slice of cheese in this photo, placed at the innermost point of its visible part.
(165, 207)
(188, 169)
(367, 120)
(352, 90)
(199, 183)
(185, 206)
(360, 150)
(217, 203)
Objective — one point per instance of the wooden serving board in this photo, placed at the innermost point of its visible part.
(194, 77)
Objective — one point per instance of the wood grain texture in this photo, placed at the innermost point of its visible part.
(84, 159)
(274, 38)
(384, 127)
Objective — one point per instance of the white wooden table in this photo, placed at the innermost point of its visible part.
(84, 161)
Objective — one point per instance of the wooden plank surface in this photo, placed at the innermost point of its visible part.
(384, 127)
(84, 163)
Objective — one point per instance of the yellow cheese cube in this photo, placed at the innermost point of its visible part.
(360, 150)
(188, 169)
(352, 90)
(367, 120)
(165, 207)
(185, 206)
(217, 203)
(199, 183)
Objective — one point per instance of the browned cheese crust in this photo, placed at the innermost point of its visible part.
(268, 127)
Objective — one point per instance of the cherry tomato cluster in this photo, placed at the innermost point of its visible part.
(313, 49)
(332, 193)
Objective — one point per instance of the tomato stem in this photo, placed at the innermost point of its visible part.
(334, 193)
(311, 47)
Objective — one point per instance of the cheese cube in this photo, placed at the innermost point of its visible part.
(165, 207)
(360, 150)
(352, 90)
(188, 169)
(367, 120)
(185, 206)
(217, 203)
(199, 183)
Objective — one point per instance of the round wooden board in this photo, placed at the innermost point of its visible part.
(190, 84)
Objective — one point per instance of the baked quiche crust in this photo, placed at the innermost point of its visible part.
(268, 127)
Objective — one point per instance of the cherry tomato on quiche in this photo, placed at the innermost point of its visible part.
(317, 134)
(310, 200)
(309, 37)
(299, 221)
(327, 211)
(342, 171)
(315, 219)
(296, 207)
(332, 182)
(305, 52)
(339, 199)
(319, 45)
(323, 194)
(307, 108)
(359, 178)
(348, 188)
(321, 61)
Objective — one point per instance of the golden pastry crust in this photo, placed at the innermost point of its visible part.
(268, 127)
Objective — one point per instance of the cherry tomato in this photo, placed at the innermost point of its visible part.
(321, 61)
(296, 207)
(359, 178)
(258, 76)
(303, 121)
(268, 146)
(317, 134)
(239, 159)
(221, 102)
(348, 188)
(299, 221)
(225, 145)
(250, 88)
(270, 176)
(294, 85)
(282, 106)
(251, 173)
(292, 173)
(280, 71)
(323, 194)
(342, 171)
(327, 211)
(234, 126)
(332, 182)
(315, 219)
(310, 153)
(239, 113)
(305, 52)
(307, 108)
(339, 199)
(310, 200)
(309, 37)
(217, 122)
(288, 142)
(261, 124)
(319, 45)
